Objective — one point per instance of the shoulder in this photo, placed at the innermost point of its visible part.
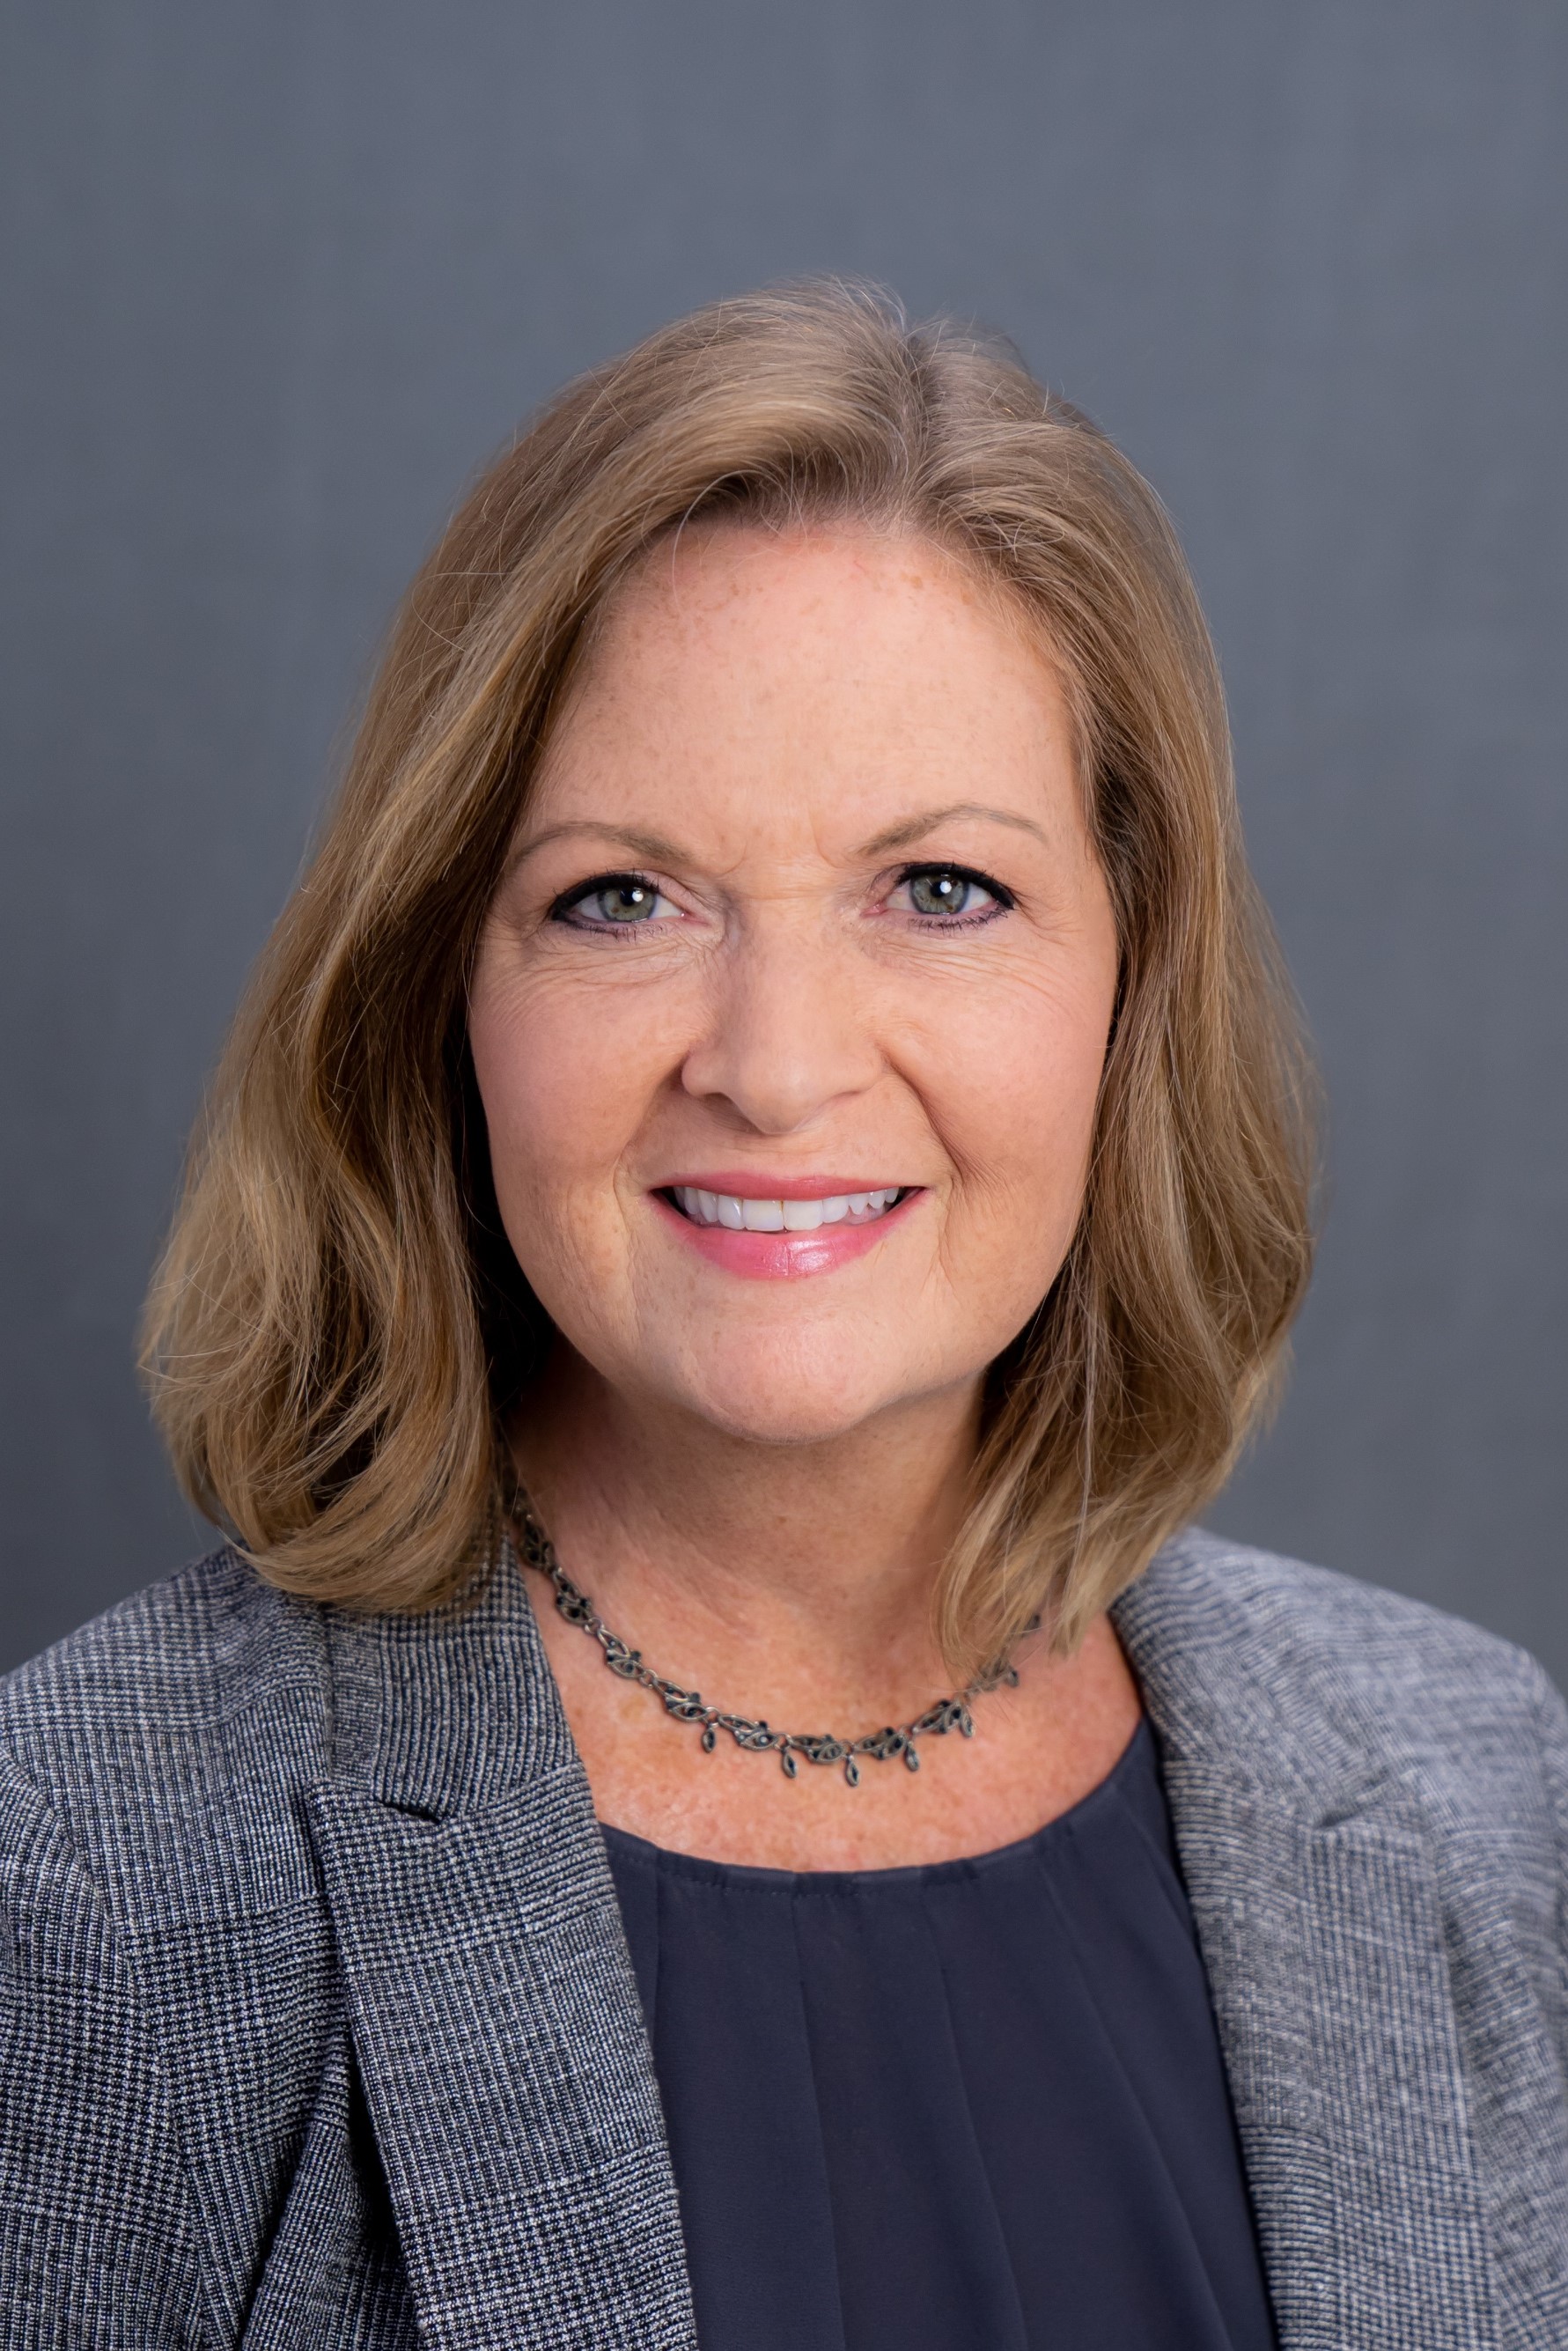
(186, 1707)
(1301, 1672)
(161, 1937)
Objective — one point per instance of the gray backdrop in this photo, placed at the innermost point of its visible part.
(282, 272)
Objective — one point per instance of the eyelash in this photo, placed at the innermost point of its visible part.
(1002, 899)
(563, 909)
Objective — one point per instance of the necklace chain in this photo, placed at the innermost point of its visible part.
(755, 1737)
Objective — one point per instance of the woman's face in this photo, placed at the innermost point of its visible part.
(790, 1010)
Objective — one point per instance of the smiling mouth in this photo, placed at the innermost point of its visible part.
(738, 1215)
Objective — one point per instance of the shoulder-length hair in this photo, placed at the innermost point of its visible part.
(336, 1329)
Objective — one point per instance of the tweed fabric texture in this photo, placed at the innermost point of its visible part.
(317, 2027)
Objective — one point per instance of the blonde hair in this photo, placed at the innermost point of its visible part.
(335, 1328)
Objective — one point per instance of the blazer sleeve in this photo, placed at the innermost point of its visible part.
(1552, 1730)
(97, 2244)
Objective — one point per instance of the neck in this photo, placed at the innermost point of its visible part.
(714, 1553)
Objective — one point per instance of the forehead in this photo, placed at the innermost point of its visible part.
(842, 663)
(766, 595)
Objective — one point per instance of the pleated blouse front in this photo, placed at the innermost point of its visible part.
(975, 2103)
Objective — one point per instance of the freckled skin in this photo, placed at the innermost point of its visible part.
(756, 1479)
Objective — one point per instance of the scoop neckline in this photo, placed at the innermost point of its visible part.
(761, 1879)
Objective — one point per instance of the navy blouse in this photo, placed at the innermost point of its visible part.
(972, 2106)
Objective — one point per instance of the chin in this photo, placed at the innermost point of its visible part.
(758, 1398)
(768, 1420)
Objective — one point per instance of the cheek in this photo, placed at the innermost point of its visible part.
(544, 1151)
(1014, 1102)
(567, 1076)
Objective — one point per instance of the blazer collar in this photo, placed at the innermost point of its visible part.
(1313, 1886)
(494, 2014)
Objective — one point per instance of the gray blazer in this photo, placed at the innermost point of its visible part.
(319, 2031)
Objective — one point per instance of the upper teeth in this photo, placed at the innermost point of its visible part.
(782, 1216)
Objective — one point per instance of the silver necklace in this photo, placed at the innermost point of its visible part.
(755, 1737)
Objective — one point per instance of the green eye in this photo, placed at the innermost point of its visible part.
(623, 901)
(618, 902)
(940, 893)
(951, 891)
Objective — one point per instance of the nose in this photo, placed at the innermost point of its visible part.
(788, 1031)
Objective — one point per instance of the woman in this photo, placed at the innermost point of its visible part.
(767, 1152)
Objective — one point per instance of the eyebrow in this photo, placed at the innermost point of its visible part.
(651, 845)
(915, 827)
(660, 852)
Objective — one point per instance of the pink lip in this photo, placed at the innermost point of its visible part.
(780, 1256)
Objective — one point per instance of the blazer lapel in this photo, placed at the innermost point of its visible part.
(493, 2011)
(1317, 1907)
